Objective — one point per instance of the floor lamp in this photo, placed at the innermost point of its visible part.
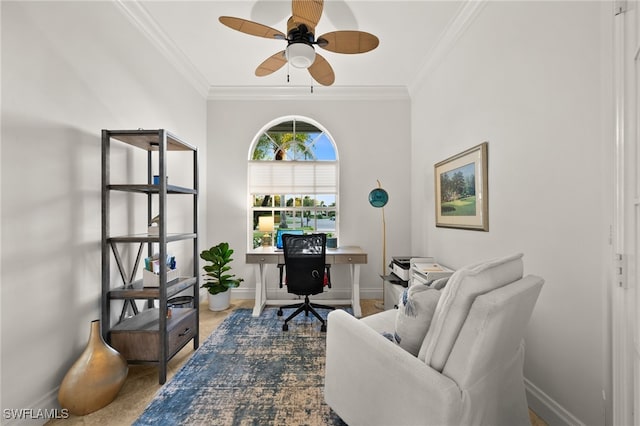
(378, 198)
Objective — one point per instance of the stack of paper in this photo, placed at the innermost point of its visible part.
(430, 267)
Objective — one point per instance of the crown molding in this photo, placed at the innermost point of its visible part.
(142, 20)
(289, 92)
(447, 40)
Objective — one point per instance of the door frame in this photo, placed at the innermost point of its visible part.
(624, 300)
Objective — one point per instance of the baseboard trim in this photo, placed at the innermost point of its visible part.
(39, 412)
(547, 408)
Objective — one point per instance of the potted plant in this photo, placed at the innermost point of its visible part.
(217, 281)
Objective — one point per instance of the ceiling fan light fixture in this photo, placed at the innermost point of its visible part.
(300, 55)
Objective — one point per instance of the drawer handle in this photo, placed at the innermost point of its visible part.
(349, 259)
(262, 259)
(185, 332)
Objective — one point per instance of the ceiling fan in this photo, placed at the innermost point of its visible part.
(300, 38)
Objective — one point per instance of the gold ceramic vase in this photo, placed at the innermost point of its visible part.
(95, 379)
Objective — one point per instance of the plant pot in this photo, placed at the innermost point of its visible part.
(332, 242)
(220, 301)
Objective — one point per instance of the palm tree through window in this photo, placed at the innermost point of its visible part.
(293, 177)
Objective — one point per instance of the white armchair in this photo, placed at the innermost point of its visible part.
(468, 370)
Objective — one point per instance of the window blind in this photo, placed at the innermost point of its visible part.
(298, 177)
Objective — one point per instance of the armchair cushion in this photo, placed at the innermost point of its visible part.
(382, 322)
(415, 310)
(370, 381)
(455, 302)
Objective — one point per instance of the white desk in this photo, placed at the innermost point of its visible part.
(261, 257)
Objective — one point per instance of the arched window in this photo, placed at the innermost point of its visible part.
(293, 179)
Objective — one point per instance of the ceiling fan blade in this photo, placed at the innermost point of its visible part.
(272, 64)
(348, 41)
(321, 71)
(307, 11)
(251, 28)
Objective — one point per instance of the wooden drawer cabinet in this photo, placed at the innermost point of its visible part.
(351, 258)
(262, 258)
(138, 338)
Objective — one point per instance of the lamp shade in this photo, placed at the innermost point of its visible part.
(300, 55)
(265, 223)
(378, 197)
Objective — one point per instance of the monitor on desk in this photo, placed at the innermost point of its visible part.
(281, 232)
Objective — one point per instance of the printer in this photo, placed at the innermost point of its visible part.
(407, 271)
(400, 267)
(421, 269)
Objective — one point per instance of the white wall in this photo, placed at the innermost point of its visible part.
(373, 142)
(69, 69)
(526, 76)
(532, 79)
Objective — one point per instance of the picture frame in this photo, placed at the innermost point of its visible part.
(462, 190)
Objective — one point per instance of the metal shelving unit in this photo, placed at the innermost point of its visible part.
(149, 335)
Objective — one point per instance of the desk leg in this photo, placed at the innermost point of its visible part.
(261, 289)
(355, 290)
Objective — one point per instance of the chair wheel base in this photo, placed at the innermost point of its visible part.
(279, 312)
(285, 327)
(323, 327)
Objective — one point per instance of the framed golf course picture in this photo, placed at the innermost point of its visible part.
(462, 192)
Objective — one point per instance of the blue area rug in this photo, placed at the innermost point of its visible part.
(249, 372)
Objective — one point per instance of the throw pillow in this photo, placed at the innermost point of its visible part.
(458, 296)
(415, 310)
(439, 283)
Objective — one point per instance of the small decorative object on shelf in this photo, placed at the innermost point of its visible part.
(332, 242)
(96, 377)
(156, 179)
(154, 228)
(151, 279)
(151, 271)
(217, 279)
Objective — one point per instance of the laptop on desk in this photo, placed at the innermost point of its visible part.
(281, 232)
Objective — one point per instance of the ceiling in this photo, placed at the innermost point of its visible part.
(214, 56)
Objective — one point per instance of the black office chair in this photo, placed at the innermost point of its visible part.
(306, 273)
